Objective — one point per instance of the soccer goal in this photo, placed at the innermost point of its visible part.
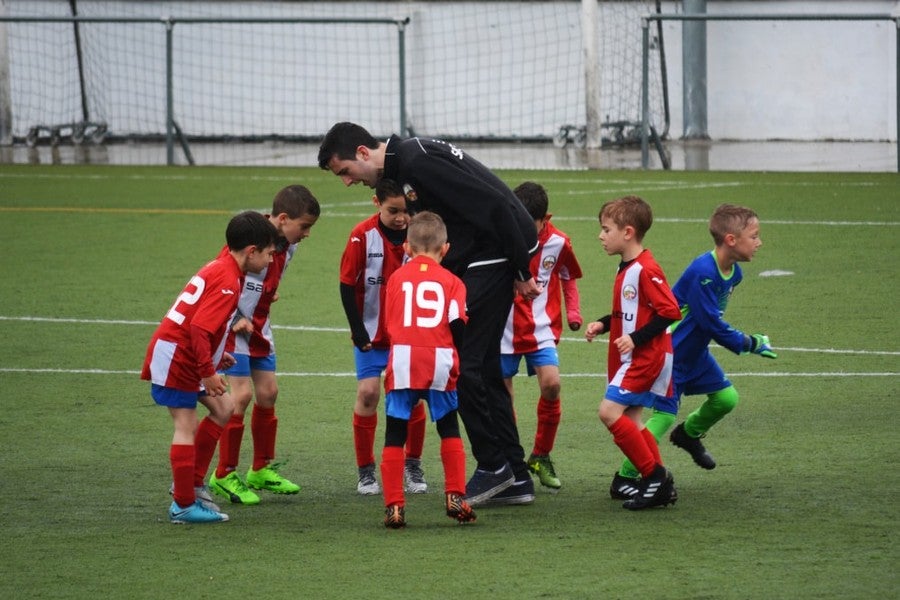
(98, 72)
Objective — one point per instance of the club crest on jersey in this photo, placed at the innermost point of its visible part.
(629, 292)
(548, 263)
(410, 193)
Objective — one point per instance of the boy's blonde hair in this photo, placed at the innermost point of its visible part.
(426, 232)
(729, 218)
(629, 210)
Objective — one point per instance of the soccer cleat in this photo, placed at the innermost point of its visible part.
(656, 490)
(233, 488)
(521, 492)
(414, 476)
(201, 492)
(268, 478)
(542, 466)
(459, 509)
(195, 513)
(394, 517)
(693, 446)
(368, 485)
(485, 484)
(623, 488)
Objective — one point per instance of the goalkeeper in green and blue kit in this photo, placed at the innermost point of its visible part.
(703, 291)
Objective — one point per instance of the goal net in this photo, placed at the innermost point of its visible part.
(458, 70)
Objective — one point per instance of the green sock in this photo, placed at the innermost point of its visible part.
(714, 408)
(658, 424)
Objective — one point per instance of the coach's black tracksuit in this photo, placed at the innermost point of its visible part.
(491, 238)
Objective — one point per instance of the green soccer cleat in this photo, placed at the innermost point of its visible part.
(542, 466)
(269, 479)
(233, 488)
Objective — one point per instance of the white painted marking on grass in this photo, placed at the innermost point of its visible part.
(775, 273)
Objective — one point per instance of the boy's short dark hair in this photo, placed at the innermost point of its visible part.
(534, 198)
(387, 188)
(250, 228)
(295, 201)
(342, 140)
(629, 210)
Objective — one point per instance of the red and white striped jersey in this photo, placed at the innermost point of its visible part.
(421, 301)
(640, 292)
(536, 324)
(256, 302)
(176, 358)
(368, 261)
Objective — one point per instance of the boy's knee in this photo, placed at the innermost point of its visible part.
(725, 399)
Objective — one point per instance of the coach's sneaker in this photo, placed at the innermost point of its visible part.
(269, 479)
(459, 509)
(202, 494)
(693, 446)
(485, 484)
(623, 488)
(655, 490)
(233, 488)
(394, 517)
(542, 466)
(414, 476)
(195, 513)
(520, 492)
(368, 485)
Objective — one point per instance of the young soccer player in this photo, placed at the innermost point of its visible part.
(185, 351)
(425, 316)
(294, 211)
(373, 252)
(703, 292)
(639, 370)
(533, 330)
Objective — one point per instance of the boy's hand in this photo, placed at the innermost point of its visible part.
(594, 329)
(759, 344)
(243, 326)
(624, 344)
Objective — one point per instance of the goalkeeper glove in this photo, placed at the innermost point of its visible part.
(759, 344)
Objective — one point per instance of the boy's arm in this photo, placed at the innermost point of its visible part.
(597, 327)
(358, 332)
(655, 327)
(703, 306)
(573, 303)
(457, 330)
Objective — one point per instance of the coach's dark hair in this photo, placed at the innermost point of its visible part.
(342, 140)
(250, 228)
(387, 188)
(295, 201)
(534, 197)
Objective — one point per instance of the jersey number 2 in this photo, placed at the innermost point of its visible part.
(188, 298)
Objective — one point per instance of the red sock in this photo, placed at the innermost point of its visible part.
(548, 415)
(181, 457)
(364, 439)
(415, 431)
(628, 438)
(651, 443)
(392, 475)
(230, 446)
(208, 434)
(453, 458)
(263, 426)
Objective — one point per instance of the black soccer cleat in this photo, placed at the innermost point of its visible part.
(656, 490)
(692, 446)
(623, 488)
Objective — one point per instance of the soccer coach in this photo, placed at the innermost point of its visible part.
(491, 239)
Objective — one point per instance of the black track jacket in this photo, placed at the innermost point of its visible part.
(486, 222)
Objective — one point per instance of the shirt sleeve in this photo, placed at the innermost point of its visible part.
(703, 306)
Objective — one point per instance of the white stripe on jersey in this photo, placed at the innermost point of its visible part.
(374, 271)
(443, 362)
(400, 364)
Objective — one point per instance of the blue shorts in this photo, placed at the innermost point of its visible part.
(399, 403)
(371, 363)
(245, 363)
(647, 399)
(172, 398)
(544, 357)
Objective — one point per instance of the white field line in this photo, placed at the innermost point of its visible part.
(344, 330)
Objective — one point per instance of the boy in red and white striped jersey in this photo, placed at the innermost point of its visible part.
(424, 318)
(533, 330)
